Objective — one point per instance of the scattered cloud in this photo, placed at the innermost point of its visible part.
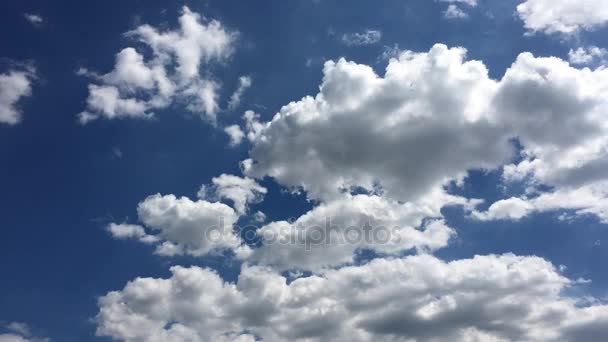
(364, 38)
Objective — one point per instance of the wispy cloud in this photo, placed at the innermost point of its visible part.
(364, 38)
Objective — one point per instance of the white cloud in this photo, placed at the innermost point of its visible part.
(14, 85)
(241, 191)
(174, 73)
(587, 55)
(416, 298)
(454, 12)
(563, 16)
(364, 38)
(235, 99)
(178, 226)
(34, 19)
(181, 226)
(426, 122)
(235, 134)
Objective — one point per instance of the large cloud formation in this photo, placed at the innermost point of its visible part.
(430, 119)
(137, 85)
(417, 298)
(380, 150)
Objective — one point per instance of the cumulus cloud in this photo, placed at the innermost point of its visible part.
(378, 151)
(235, 99)
(367, 37)
(14, 85)
(563, 16)
(423, 124)
(138, 86)
(181, 226)
(587, 55)
(415, 298)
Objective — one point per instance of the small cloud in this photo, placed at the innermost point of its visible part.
(235, 100)
(365, 38)
(117, 152)
(389, 52)
(454, 12)
(34, 19)
(235, 134)
(587, 55)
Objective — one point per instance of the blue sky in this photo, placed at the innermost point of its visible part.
(534, 141)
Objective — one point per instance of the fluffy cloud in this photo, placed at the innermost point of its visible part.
(416, 298)
(563, 16)
(587, 55)
(364, 38)
(14, 85)
(137, 86)
(181, 226)
(423, 124)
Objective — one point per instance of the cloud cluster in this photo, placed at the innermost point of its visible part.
(14, 85)
(137, 86)
(378, 151)
(416, 298)
(563, 16)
